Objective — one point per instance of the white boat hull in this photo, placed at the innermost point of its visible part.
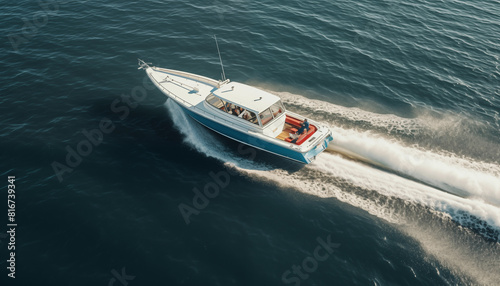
(189, 92)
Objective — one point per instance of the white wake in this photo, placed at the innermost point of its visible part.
(471, 196)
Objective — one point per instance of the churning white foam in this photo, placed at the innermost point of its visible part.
(461, 176)
(466, 178)
(472, 188)
(428, 167)
(202, 140)
(391, 185)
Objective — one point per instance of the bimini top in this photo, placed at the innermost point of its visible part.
(246, 96)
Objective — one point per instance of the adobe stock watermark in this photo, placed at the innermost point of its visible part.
(123, 278)
(211, 189)
(94, 137)
(33, 23)
(310, 264)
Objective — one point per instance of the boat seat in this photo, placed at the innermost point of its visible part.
(266, 121)
(293, 121)
(306, 135)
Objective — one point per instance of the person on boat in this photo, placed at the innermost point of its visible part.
(304, 125)
(237, 111)
(229, 107)
(251, 117)
(245, 115)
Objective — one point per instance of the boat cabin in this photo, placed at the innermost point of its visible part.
(264, 111)
(259, 108)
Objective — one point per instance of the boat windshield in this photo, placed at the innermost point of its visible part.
(277, 109)
(233, 109)
(215, 101)
(272, 112)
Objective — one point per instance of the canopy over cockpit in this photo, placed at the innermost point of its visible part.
(248, 97)
(250, 104)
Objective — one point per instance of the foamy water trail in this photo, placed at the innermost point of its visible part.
(391, 185)
(443, 133)
(461, 176)
(356, 174)
(473, 180)
(421, 211)
(198, 137)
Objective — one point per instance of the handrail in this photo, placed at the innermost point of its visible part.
(142, 64)
(191, 76)
(188, 104)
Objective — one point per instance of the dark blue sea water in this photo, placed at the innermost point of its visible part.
(407, 194)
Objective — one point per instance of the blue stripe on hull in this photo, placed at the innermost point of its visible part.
(250, 140)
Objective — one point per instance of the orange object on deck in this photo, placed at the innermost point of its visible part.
(296, 123)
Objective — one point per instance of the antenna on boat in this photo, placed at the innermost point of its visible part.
(220, 58)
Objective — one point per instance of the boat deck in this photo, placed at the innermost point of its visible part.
(287, 128)
(290, 123)
(186, 88)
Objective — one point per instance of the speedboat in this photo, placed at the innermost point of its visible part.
(243, 113)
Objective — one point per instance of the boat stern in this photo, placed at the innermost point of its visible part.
(320, 147)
